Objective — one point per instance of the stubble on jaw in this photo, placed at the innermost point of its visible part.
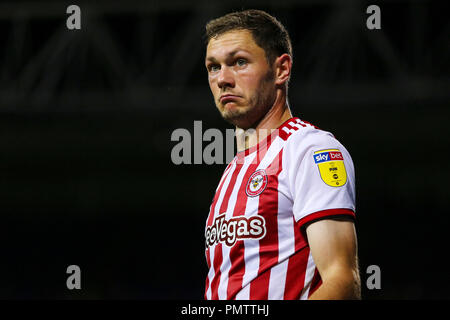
(259, 104)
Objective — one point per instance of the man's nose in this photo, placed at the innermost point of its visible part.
(226, 78)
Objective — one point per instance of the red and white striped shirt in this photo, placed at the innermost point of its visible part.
(255, 247)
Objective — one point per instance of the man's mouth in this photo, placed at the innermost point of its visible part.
(228, 98)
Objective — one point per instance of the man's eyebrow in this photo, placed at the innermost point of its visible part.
(212, 59)
(231, 54)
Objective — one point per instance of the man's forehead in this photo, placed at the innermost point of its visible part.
(231, 42)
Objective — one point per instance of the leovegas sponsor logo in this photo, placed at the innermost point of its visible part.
(234, 229)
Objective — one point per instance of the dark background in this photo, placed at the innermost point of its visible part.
(86, 117)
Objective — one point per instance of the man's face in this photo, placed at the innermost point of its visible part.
(240, 78)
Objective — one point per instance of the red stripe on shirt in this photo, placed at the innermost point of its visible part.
(208, 261)
(315, 282)
(295, 276)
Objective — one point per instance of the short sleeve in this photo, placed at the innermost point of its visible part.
(322, 179)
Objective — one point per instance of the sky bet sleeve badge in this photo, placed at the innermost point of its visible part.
(331, 167)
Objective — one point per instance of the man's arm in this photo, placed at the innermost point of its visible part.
(334, 250)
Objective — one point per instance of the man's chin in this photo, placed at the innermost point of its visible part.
(231, 111)
(231, 107)
(238, 118)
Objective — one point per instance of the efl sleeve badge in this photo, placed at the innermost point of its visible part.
(331, 167)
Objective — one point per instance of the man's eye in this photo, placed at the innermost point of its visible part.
(241, 62)
(214, 68)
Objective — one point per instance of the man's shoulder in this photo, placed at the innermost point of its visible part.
(306, 141)
(299, 133)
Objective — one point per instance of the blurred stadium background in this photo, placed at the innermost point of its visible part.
(86, 118)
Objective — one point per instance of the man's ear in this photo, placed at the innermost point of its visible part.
(283, 66)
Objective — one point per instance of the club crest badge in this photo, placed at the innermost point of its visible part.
(256, 183)
(331, 167)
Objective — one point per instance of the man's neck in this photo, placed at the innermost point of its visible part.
(276, 116)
